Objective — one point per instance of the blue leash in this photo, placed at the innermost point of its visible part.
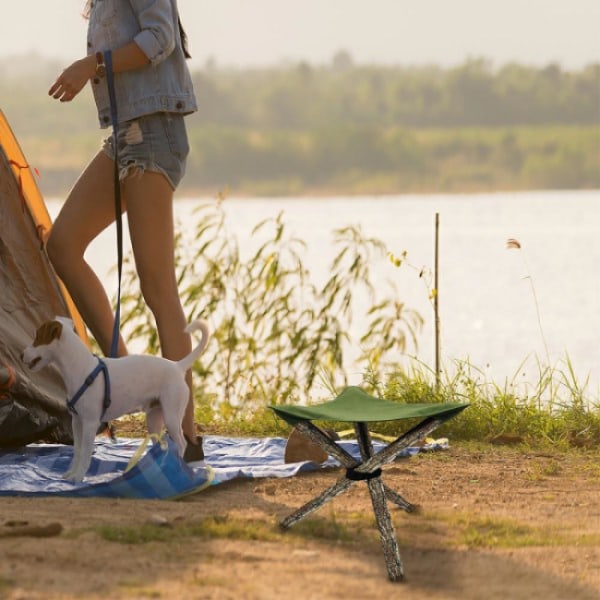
(101, 367)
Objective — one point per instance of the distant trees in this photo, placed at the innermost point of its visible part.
(349, 128)
(473, 94)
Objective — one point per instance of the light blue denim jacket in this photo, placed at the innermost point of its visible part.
(165, 85)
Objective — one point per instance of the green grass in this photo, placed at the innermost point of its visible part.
(489, 532)
(6, 583)
(230, 528)
(461, 529)
(329, 528)
(554, 412)
(217, 527)
(492, 415)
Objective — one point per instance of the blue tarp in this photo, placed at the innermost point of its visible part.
(37, 469)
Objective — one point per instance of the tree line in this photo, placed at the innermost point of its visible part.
(471, 95)
(348, 128)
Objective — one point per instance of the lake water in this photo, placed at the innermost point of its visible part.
(487, 293)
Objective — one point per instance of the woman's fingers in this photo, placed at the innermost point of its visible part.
(54, 88)
(60, 90)
(70, 82)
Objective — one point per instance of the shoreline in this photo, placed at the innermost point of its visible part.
(186, 193)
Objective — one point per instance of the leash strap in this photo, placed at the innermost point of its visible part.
(100, 368)
(118, 207)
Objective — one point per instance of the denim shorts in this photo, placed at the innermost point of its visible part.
(156, 142)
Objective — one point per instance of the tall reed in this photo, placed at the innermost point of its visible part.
(277, 336)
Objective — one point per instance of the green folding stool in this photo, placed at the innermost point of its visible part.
(356, 406)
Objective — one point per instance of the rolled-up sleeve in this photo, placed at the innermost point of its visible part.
(157, 36)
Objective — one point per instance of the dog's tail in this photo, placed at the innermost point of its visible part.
(186, 362)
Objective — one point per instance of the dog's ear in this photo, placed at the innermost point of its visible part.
(66, 322)
(47, 332)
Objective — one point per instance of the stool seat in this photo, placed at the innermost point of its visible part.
(356, 406)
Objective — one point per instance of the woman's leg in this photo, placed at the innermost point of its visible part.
(88, 210)
(150, 214)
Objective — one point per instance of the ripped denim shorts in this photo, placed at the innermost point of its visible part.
(156, 142)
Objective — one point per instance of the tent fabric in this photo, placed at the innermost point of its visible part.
(356, 406)
(32, 406)
(160, 474)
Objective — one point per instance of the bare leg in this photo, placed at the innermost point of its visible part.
(88, 210)
(150, 212)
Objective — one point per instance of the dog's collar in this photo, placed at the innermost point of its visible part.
(100, 367)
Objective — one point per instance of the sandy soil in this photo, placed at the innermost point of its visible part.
(464, 495)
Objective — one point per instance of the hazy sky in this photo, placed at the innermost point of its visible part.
(258, 32)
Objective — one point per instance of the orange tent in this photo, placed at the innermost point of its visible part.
(32, 405)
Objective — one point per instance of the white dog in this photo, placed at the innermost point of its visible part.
(105, 389)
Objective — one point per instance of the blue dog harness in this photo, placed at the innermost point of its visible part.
(100, 367)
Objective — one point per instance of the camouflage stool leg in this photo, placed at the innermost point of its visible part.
(324, 441)
(327, 443)
(369, 470)
(389, 543)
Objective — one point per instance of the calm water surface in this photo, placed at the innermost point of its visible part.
(487, 293)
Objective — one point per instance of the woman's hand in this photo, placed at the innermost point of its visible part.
(72, 80)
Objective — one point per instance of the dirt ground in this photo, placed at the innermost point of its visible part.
(494, 523)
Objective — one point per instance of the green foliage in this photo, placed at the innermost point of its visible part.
(472, 94)
(347, 128)
(377, 159)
